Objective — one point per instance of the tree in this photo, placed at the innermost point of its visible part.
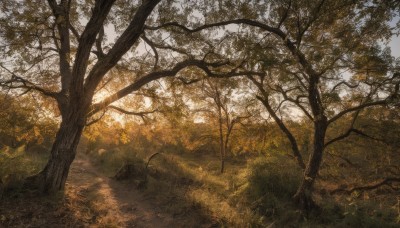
(216, 101)
(321, 58)
(309, 72)
(60, 49)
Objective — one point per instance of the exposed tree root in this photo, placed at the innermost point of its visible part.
(305, 202)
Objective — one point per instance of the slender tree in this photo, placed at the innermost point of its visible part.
(215, 99)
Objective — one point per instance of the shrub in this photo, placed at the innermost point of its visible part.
(16, 164)
(271, 184)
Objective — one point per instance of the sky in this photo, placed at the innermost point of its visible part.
(395, 46)
(395, 42)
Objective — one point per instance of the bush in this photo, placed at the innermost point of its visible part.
(16, 164)
(271, 184)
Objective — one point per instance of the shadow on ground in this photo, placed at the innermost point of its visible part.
(93, 200)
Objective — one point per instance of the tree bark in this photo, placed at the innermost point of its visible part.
(53, 177)
(303, 196)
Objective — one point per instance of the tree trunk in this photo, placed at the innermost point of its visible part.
(222, 165)
(222, 151)
(53, 177)
(284, 129)
(222, 148)
(303, 196)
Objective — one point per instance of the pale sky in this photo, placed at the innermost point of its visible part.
(395, 42)
(395, 46)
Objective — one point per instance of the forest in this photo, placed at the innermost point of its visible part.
(182, 113)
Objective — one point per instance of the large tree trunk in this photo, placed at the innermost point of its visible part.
(303, 196)
(53, 177)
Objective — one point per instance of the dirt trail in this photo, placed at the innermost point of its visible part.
(91, 199)
(106, 202)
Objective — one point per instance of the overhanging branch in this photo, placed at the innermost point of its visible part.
(202, 65)
(24, 84)
(356, 108)
(347, 134)
(140, 114)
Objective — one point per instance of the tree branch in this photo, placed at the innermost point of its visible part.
(344, 159)
(96, 120)
(296, 102)
(151, 44)
(313, 93)
(356, 108)
(141, 114)
(188, 82)
(387, 181)
(347, 134)
(345, 83)
(285, 15)
(204, 66)
(160, 46)
(61, 14)
(100, 54)
(74, 31)
(86, 41)
(264, 100)
(121, 46)
(25, 84)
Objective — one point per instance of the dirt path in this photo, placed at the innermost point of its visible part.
(102, 201)
(91, 199)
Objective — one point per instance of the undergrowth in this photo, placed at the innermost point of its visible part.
(17, 163)
(255, 192)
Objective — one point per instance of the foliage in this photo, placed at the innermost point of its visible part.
(17, 164)
(26, 134)
(24, 123)
(271, 185)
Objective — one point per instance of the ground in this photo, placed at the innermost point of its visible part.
(90, 200)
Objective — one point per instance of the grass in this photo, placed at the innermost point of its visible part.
(192, 182)
(17, 164)
(252, 193)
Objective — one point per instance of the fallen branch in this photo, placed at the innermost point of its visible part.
(151, 157)
(387, 181)
(146, 171)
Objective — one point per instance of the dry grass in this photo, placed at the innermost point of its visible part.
(184, 189)
(194, 183)
(16, 164)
